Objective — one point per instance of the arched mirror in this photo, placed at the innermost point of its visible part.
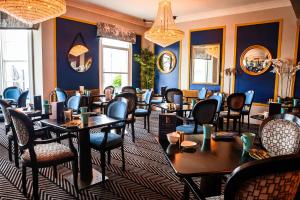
(79, 57)
(166, 62)
(253, 59)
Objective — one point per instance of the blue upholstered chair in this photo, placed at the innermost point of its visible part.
(12, 94)
(248, 104)
(146, 111)
(61, 95)
(203, 113)
(162, 96)
(202, 94)
(22, 99)
(219, 98)
(106, 140)
(74, 103)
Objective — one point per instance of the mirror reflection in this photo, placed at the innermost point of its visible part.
(166, 61)
(252, 60)
(79, 58)
(205, 64)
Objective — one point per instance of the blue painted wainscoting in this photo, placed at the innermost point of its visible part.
(267, 35)
(67, 78)
(136, 68)
(200, 37)
(170, 80)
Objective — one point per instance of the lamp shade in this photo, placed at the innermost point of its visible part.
(33, 11)
(164, 31)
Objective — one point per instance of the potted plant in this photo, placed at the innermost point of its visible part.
(147, 60)
(117, 82)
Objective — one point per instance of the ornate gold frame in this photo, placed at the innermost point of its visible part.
(173, 64)
(250, 48)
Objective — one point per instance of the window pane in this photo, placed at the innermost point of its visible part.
(115, 43)
(115, 60)
(117, 80)
(15, 44)
(16, 74)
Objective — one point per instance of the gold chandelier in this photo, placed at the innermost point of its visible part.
(164, 32)
(33, 11)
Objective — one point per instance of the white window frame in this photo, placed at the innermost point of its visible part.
(101, 73)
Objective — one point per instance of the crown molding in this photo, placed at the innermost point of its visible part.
(235, 10)
(105, 12)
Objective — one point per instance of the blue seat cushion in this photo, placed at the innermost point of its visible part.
(189, 128)
(141, 111)
(156, 101)
(113, 139)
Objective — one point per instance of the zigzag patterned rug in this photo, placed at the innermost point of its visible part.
(147, 175)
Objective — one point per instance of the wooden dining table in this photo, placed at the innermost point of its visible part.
(88, 176)
(209, 159)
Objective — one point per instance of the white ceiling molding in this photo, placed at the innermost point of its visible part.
(105, 12)
(235, 10)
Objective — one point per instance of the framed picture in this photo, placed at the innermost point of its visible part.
(166, 62)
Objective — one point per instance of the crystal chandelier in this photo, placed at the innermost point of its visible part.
(33, 11)
(164, 32)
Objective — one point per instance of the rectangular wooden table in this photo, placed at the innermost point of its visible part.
(209, 160)
(88, 176)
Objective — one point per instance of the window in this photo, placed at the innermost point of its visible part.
(14, 58)
(115, 63)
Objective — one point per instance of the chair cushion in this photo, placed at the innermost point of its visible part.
(232, 114)
(189, 128)
(113, 139)
(47, 153)
(141, 111)
(156, 101)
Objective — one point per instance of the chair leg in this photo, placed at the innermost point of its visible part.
(239, 126)
(108, 157)
(75, 172)
(16, 153)
(132, 131)
(148, 123)
(35, 183)
(123, 157)
(249, 122)
(10, 149)
(186, 192)
(55, 171)
(144, 122)
(24, 180)
(103, 165)
(227, 124)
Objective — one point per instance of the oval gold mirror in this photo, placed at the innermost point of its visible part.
(166, 62)
(253, 59)
(79, 58)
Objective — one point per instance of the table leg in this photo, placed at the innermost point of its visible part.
(211, 185)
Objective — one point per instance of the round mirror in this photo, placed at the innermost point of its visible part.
(79, 58)
(166, 61)
(252, 60)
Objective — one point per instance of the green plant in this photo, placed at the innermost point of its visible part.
(117, 82)
(147, 60)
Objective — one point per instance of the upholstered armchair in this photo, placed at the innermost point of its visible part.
(12, 94)
(74, 103)
(98, 103)
(41, 153)
(106, 140)
(202, 94)
(280, 134)
(61, 95)
(219, 98)
(248, 105)
(146, 111)
(22, 99)
(170, 93)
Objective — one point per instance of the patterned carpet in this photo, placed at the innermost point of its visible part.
(147, 175)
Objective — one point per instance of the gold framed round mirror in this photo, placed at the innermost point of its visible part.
(79, 58)
(252, 60)
(166, 62)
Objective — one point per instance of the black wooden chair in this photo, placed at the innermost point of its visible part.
(22, 99)
(248, 105)
(40, 132)
(146, 111)
(99, 104)
(129, 89)
(272, 178)
(204, 112)
(106, 140)
(131, 106)
(41, 153)
(235, 105)
(280, 134)
(170, 93)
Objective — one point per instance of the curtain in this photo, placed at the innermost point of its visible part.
(115, 32)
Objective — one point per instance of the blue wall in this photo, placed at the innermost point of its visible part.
(67, 78)
(297, 80)
(212, 36)
(259, 34)
(171, 79)
(136, 68)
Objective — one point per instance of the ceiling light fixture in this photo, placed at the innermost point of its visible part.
(164, 31)
(33, 11)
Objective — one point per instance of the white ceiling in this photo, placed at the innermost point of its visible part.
(187, 9)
